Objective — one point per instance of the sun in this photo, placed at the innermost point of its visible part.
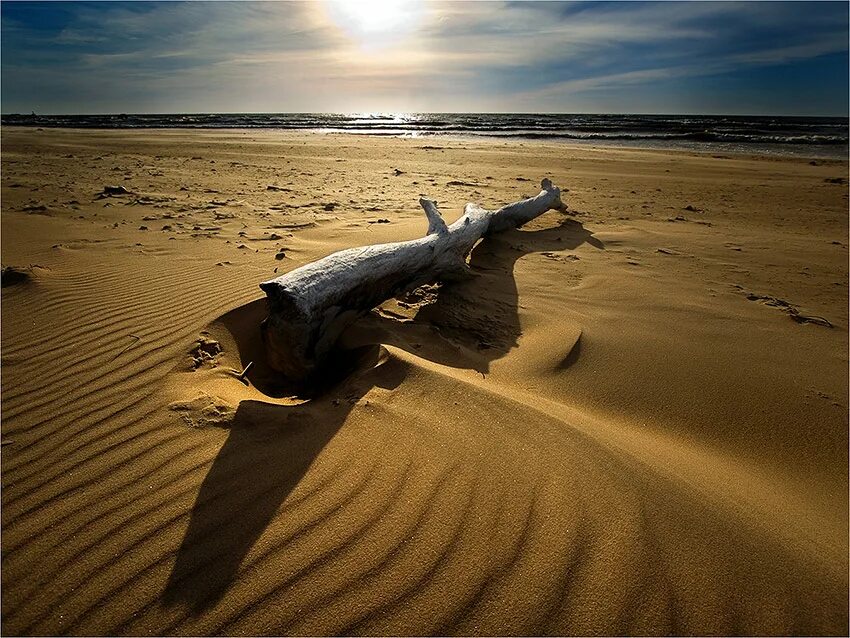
(375, 23)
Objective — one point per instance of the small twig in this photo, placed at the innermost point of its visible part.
(6, 442)
(241, 375)
(137, 339)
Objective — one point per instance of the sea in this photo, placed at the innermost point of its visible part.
(803, 136)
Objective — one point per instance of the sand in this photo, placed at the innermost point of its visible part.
(619, 426)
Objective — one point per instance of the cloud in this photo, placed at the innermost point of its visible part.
(715, 66)
(269, 56)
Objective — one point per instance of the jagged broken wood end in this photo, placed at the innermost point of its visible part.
(311, 306)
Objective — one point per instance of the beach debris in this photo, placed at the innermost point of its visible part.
(280, 255)
(113, 191)
(310, 307)
(835, 180)
(241, 375)
(379, 221)
(136, 339)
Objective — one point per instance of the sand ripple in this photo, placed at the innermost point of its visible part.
(582, 445)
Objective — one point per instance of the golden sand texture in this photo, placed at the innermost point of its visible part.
(619, 426)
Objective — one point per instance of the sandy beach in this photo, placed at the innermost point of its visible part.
(632, 420)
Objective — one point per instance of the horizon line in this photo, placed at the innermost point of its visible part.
(398, 113)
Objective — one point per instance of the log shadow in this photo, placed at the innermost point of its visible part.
(475, 321)
(270, 447)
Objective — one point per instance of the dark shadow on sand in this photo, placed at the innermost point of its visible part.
(475, 322)
(268, 450)
(270, 447)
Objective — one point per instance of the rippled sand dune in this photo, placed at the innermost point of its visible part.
(633, 420)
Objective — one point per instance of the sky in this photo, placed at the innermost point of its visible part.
(756, 58)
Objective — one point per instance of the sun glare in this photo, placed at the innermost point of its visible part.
(375, 23)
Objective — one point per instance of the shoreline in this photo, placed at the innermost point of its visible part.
(792, 153)
(810, 150)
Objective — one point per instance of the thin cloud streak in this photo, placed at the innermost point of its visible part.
(749, 60)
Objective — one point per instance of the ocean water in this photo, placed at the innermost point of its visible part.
(806, 136)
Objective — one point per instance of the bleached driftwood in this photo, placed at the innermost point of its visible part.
(310, 306)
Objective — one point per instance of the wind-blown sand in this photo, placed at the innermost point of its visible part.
(617, 427)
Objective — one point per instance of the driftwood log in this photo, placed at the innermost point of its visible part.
(310, 306)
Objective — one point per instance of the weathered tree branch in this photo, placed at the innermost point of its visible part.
(310, 306)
